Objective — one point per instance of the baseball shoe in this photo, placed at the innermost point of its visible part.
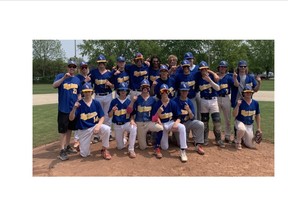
(238, 146)
(132, 154)
(70, 150)
(227, 140)
(111, 138)
(206, 142)
(220, 143)
(96, 139)
(199, 149)
(157, 153)
(105, 154)
(63, 155)
(183, 156)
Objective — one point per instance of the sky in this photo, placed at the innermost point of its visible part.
(69, 48)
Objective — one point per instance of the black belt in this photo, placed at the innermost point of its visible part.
(103, 94)
(223, 95)
(208, 98)
(120, 123)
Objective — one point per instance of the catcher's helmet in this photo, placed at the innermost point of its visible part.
(188, 55)
(185, 63)
(184, 86)
(87, 87)
(203, 65)
(101, 58)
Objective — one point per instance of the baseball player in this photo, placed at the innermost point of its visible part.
(101, 80)
(209, 104)
(188, 118)
(137, 73)
(120, 75)
(226, 82)
(141, 106)
(246, 111)
(68, 93)
(173, 66)
(90, 117)
(121, 119)
(153, 69)
(163, 79)
(169, 114)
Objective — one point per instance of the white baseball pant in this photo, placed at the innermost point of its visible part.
(119, 135)
(143, 128)
(86, 135)
(105, 104)
(182, 135)
(224, 104)
(244, 132)
(197, 128)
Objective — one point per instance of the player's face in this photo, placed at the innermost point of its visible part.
(184, 92)
(139, 62)
(102, 65)
(164, 74)
(242, 69)
(121, 64)
(172, 62)
(204, 71)
(145, 89)
(247, 95)
(71, 68)
(222, 69)
(84, 69)
(186, 69)
(88, 94)
(191, 60)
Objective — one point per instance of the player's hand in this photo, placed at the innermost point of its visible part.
(154, 83)
(96, 129)
(67, 75)
(207, 78)
(117, 72)
(115, 108)
(174, 127)
(77, 104)
(132, 122)
(239, 102)
(258, 78)
(186, 107)
(160, 109)
(134, 98)
(88, 78)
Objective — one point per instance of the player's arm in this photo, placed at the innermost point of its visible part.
(113, 109)
(236, 109)
(57, 83)
(73, 111)
(216, 77)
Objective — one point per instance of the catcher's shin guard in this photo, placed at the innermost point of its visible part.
(206, 131)
(217, 130)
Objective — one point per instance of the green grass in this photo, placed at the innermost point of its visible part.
(45, 124)
(267, 85)
(44, 89)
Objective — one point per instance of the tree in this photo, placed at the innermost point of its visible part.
(45, 51)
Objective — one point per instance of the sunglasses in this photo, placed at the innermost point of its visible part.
(242, 66)
(72, 66)
(223, 67)
(83, 67)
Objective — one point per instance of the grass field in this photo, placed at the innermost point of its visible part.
(267, 85)
(45, 123)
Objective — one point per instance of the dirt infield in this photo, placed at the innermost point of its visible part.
(215, 162)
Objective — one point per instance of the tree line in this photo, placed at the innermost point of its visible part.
(49, 57)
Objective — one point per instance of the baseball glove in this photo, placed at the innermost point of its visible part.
(258, 137)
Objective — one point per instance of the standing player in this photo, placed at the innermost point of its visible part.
(209, 104)
(100, 79)
(246, 111)
(226, 82)
(121, 119)
(153, 69)
(120, 75)
(90, 117)
(169, 114)
(68, 93)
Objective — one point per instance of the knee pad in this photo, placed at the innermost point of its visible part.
(216, 117)
(204, 117)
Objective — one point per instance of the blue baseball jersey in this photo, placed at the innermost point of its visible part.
(67, 92)
(143, 108)
(250, 80)
(136, 75)
(190, 79)
(170, 82)
(184, 113)
(171, 111)
(205, 87)
(98, 81)
(153, 75)
(120, 78)
(88, 117)
(246, 113)
(225, 84)
(121, 114)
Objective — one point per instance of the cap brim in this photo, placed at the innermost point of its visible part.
(186, 65)
(87, 90)
(204, 67)
(248, 91)
(101, 61)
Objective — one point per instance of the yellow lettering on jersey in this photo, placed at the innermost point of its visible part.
(204, 87)
(120, 112)
(123, 79)
(166, 115)
(96, 119)
(87, 116)
(99, 82)
(223, 86)
(191, 83)
(144, 108)
(248, 113)
(184, 112)
(68, 86)
(140, 73)
(153, 78)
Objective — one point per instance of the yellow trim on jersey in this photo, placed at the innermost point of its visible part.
(191, 83)
(223, 86)
(68, 86)
(144, 109)
(184, 112)
(87, 116)
(140, 73)
(99, 82)
(120, 112)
